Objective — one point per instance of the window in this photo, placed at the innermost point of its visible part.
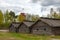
(44, 29)
(37, 29)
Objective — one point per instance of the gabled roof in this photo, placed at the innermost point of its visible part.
(51, 21)
(18, 24)
(15, 24)
(27, 23)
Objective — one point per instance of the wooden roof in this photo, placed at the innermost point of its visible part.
(18, 24)
(15, 24)
(51, 21)
(28, 23)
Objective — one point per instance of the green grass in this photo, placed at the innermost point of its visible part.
(19, 36)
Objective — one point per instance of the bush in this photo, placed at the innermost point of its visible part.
(4, 25)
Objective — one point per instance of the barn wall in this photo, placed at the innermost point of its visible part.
(41, 28)
(23, 29)
(56, 30)
(12, 28)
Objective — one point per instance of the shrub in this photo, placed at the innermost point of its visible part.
(4, 25)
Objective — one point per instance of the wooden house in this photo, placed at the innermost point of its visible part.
(24, 27)
(46, 26)
(14, 26)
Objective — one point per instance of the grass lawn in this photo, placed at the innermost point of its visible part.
(18, 36)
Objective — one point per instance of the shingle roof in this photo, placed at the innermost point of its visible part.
(16, 24)
(51, 21)
(28, 23)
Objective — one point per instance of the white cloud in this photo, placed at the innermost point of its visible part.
(40, 7)
(18, 5)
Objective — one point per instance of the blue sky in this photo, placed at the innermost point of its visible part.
(40, 7)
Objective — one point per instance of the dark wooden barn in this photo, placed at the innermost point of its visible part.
(14, 26)
(46, 26)
(24, 27)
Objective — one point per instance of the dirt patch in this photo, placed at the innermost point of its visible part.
(4, 30)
